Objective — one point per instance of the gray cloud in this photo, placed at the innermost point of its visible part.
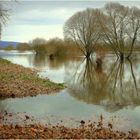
(30, 17)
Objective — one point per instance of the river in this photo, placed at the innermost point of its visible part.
(110, 88)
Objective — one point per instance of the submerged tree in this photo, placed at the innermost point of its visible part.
(133, 30)
(83, 29)
(120, 27)
(113, 23)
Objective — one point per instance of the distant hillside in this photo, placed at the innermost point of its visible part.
(4, 44)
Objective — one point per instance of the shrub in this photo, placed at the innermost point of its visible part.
(8, 48)
(23, 47)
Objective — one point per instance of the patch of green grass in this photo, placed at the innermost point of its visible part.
(39, 81)
(3, 61)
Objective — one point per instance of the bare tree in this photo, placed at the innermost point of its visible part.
(4, 15)
(38, 41)
(82, 28)
(119, 25)
(38, 45)
(113, 22)
(133, 30)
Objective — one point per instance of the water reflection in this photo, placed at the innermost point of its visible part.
(113, 85)
(41, 61)
(103, 81)
(105, 84)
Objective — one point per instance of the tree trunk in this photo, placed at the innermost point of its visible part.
(122, 57)
(88, 55)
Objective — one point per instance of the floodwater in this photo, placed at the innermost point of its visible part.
(94, 86)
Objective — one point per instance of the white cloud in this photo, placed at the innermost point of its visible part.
(28, 32)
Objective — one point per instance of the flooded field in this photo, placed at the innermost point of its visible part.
(109, 88)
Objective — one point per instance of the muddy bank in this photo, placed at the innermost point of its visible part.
(30, 129)
(17, 81)
(89, 131)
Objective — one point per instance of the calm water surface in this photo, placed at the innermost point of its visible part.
(110, 88)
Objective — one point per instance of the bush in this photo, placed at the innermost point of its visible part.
(23, 47)
(38, 45)
(8, 48)
(55, 47)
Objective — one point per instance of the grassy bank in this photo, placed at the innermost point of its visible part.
(17, 81)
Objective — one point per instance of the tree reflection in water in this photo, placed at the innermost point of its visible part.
(41, 61)
(114, 86)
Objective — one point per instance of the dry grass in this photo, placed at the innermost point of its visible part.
(17, 81)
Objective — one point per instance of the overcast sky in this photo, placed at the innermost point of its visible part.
(33, 18)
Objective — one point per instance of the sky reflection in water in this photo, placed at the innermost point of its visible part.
(111, 88)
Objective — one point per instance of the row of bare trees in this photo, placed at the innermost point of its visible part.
(114, 25)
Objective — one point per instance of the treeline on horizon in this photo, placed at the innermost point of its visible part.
(54, 46)
(52, 42)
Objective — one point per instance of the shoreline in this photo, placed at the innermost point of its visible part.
(84, 131)
(18, 81)
(30, 129)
